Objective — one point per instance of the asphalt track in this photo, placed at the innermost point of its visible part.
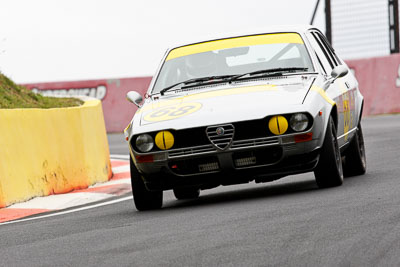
(288, 222)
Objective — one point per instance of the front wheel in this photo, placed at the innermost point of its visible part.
(143, 198)
(355, 160)
(329, 171)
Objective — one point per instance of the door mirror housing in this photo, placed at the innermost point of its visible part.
(135, 98)
(339, 71)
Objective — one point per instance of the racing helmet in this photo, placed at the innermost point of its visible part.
(201, 64)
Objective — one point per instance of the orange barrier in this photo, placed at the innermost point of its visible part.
(51, 151)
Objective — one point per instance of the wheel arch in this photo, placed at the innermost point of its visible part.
(334, 114)
(331, 111)
(361, 111)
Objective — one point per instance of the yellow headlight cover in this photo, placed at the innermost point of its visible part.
(278, 125)
(164, 140)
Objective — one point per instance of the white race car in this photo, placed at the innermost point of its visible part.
(253, 107)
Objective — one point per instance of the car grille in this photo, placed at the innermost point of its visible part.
(191, 151)
(255, 142)
(200, 141)
(221, 136)
(239, 144)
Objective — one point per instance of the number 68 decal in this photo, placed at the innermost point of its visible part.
(172, 112)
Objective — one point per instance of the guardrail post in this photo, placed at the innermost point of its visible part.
(328, 21)
(394, 26)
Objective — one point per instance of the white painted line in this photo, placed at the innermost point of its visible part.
(60, 201)
(70, 211)
(116, 156)
(70, 200)
(119, 169)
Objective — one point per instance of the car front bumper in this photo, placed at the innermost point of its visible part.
(262, 160)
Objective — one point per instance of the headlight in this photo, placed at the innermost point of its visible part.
(164, 140)
(144, 142)
(298, 122)
(278, 125)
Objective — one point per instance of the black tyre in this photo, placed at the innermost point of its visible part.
(143, 198)
(355, 160)
(186, 193)
(329, 171)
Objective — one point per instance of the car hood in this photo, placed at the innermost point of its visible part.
(223, 104)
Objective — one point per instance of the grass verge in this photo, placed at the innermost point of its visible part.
(16, 96)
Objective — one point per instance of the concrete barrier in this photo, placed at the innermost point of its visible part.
(51, 151)
(379, 82)
(112, 92)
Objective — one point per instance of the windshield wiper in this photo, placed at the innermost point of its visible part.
(230, 78)
(197, 80)
(269, 72)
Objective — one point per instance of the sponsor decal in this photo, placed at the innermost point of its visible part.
(346, 116)
(98, 92)
(172, 112)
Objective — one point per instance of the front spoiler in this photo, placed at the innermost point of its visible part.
(165, 180)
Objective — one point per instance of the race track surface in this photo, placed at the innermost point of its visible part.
(289, 222)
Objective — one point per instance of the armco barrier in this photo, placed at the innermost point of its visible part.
(379, 82)
(112, 92)
(50, 151)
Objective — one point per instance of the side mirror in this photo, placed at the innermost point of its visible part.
(339, 71)
(135, 98)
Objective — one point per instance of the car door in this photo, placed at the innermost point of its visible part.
(342, 90)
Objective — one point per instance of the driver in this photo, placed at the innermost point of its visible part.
(201, 64)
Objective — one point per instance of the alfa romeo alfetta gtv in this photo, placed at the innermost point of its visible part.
(244, 108)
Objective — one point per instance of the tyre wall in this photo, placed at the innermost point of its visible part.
(51, 151)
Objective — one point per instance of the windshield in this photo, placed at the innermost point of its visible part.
(233, 56)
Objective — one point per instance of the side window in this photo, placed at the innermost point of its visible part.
(322, 55)
(320, 63)
(329, 48)
(326, 51)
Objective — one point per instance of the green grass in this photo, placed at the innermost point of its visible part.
(16, 96)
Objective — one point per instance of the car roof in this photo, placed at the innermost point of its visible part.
(299, 28)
